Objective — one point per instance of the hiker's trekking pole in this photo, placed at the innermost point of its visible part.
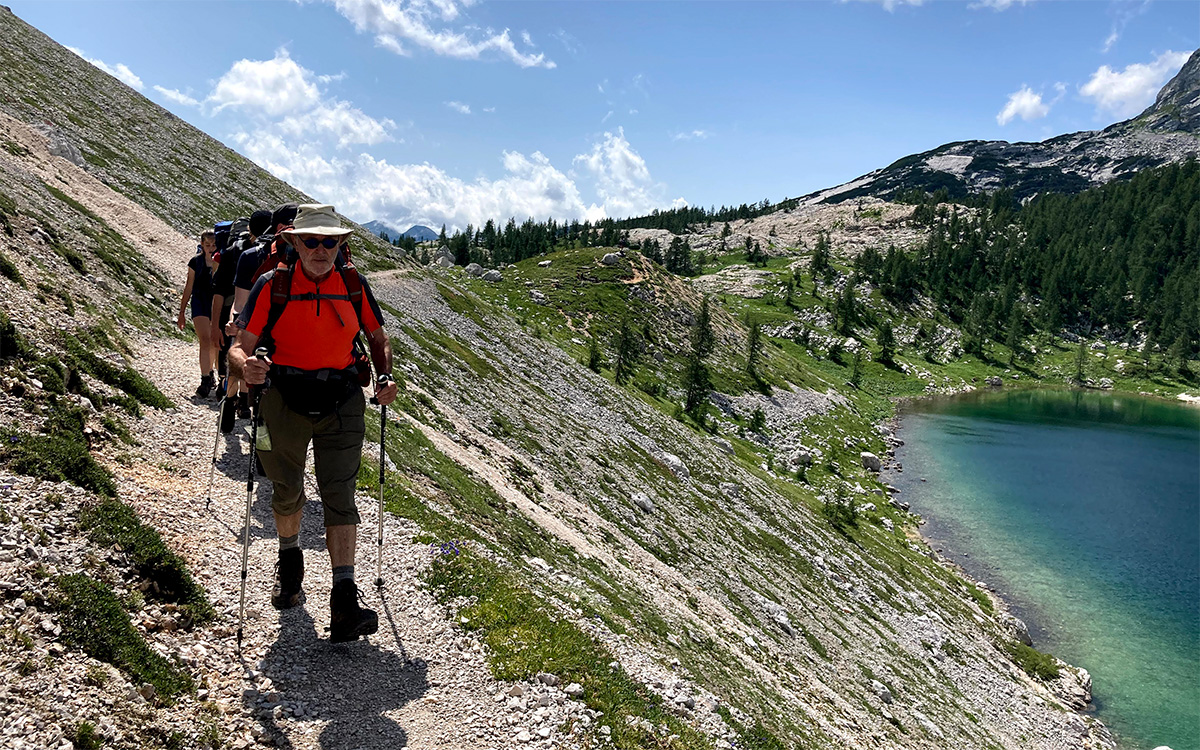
(381, 383)
(259, 353)
(212, 471)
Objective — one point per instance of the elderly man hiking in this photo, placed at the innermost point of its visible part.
(308, 316)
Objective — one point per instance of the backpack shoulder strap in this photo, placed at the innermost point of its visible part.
(354, 289)
(281, 291)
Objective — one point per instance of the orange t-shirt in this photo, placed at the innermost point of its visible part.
(311, 334)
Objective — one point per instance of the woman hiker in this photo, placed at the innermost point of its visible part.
(199, 290)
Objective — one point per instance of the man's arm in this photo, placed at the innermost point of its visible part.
(242, 363)
(381, 355)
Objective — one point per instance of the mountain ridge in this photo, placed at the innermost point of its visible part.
(1167, 131)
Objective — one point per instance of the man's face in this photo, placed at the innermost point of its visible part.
(317, 261)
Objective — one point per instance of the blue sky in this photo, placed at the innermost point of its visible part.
(444, 111)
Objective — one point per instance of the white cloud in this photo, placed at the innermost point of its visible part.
(177, 96)
(606, 117)
(462, 109)
(1023, 103)
(569, 43)
(622, 179)
(693, 135)
(120, 71)
(368, 188)
(1126, 93)
(526, 38)
(489, 109)
(998, 5)
(274, 87)
(282, 94)
(1110, 40)
(394, 22)
(890, 5)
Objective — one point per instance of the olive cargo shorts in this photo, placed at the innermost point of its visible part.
(337, 442)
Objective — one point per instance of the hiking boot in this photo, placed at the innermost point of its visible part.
(206, 386)
(348, 620)
(289, 575)
(243, 406)
(228, 410)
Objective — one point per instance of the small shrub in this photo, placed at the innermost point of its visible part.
(758, 421)
(841, 510)
(96, 676)
(85, 737)
(9, 271)
(1033, 662)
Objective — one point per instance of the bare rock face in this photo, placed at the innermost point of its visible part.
(60, 146)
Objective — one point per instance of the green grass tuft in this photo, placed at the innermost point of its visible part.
(114, 522)
(93, 620)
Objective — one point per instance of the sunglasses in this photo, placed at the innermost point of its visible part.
(329, 242)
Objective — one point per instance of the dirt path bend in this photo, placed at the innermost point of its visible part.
(418, 683)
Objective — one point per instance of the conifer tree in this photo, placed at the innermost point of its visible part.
(703, 338)
(754, 348)
(595, 359)
(887, 343)
(626, 345)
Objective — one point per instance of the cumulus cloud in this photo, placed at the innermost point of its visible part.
(366, 187)
(395, 23)
(459, 107)
(622, 179)
(283, 91)
(1023, 103)
(120, 71)
(691, 135)
(1128, 92)
(177, 96)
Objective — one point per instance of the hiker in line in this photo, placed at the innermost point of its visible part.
(242, 236)
(308, 316)
(270, 250)
(198, 291)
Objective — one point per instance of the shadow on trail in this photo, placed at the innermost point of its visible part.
(350, 686)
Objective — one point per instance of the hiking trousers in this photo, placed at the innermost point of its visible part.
(337, 441)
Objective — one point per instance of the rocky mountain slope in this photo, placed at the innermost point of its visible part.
(1168, 131)
(570, 561)
(141, 150)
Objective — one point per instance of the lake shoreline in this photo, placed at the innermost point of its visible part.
(1073, 687)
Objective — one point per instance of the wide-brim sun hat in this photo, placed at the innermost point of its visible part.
(317, 218)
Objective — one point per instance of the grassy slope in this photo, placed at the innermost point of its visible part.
(462, 346)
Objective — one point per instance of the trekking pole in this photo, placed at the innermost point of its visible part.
(259, 353)
(381, 383)
(212, 471)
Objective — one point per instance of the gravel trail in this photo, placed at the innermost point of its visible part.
(395, 689)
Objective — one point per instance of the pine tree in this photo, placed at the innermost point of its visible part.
(887, 343)
(846, 310)
(1081, 363)
(754, 349)
(696, 384)
(1015, 333)
(856, 369)
(626, 345)
(595, 358)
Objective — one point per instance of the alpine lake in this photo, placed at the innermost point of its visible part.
(1081, 509)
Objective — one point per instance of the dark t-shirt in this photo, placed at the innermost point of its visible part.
(202, 286)
(224, 277)
(248, 265)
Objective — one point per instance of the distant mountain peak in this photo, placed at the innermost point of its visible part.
(418, 232)
(1167, 132)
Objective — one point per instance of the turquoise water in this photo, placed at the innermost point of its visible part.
(1082, 510)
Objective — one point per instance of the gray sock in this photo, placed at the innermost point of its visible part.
(343, 573)
(289, 542)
